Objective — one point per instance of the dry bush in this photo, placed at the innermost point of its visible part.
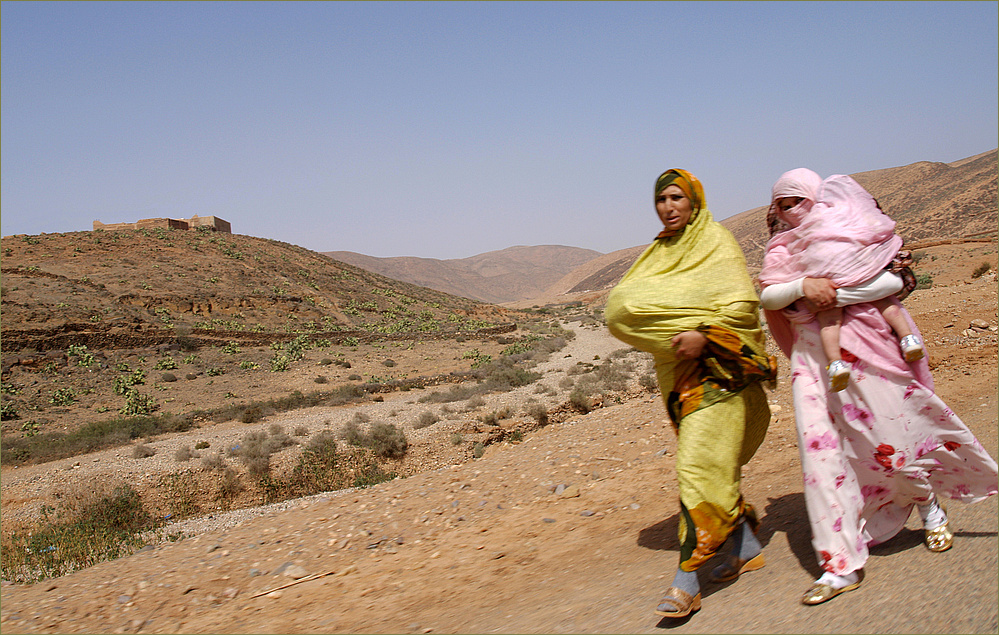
(427, 418)
(213, 462)
(474, 403)
(184, 454)
(537, 411)
(143, 451)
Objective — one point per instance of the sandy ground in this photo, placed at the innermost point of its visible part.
(571, 531)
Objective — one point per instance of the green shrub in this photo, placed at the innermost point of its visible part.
(8, 410)
(201, 445)
(123, 383)
(230, 348)
(97, 525)
(924, 281)
(215, 371)
(63, 397)
(137, 404)
(478, 450)
(167, 363)
(981, 270)
(456, 439)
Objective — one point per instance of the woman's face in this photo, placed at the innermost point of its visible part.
(787, 202)
(674, 208)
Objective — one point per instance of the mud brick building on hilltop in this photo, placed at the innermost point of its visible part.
(195, 222)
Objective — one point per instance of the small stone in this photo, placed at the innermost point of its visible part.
(274, 594)
(570, 492)
(124, 599)
(635, 506)
(254, 573)
(559, 489)
(295, 572)
(587, 513)
(979, 323)
(230, 592)
(212, 548)
(547, 520)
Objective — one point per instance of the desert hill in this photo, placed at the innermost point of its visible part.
(140, 287)
(930, 202)
(515, 273)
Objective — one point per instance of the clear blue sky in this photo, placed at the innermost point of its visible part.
(445, 130)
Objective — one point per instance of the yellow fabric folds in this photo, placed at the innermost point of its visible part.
(696, 280)
(687, 282)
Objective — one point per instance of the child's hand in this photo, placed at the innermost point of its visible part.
(689, 344)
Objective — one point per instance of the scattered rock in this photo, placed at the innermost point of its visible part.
(570, 492)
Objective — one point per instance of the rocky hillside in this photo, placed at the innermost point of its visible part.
(515, 273)
(140, 287)
(930, 202)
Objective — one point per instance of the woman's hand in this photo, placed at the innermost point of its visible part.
(819, 292)
(689, 344)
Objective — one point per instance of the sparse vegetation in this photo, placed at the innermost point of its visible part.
(93, 524)
(427, 418)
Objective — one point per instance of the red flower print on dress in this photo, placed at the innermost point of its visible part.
(847, 356)
(884, 448)
(839, 480)
(952, 445)
(825, 557)
(909, 391)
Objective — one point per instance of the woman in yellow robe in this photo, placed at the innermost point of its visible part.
(688, 301)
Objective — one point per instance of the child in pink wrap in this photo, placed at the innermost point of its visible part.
(836, 231)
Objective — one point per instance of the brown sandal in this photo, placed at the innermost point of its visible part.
(734, 566)
(682, 603)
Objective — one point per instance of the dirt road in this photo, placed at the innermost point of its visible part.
(571, 531)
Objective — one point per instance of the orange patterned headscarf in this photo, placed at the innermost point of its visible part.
(691, 187)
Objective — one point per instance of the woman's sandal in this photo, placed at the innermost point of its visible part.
(682, 603)
(734, 566)
(819, 593)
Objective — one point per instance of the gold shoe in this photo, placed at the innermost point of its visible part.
(678, 603)
(735, 566)
(939, 539)
(819, 593)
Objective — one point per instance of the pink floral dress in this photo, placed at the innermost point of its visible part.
(873, 450)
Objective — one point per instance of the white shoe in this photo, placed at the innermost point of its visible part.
(839, 375)
(912, 348)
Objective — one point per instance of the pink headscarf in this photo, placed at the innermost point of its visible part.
(836, 232)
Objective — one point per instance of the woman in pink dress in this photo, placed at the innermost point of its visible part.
(884, 444)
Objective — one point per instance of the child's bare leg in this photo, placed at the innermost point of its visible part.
(829, 323)
(837, 370)
(912, 347)
(893, 315)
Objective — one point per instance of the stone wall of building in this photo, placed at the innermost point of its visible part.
(195, 222)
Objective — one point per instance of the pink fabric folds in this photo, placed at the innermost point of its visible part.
(837, 232)
(843, 236)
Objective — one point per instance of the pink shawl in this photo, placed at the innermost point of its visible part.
(837, 232)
